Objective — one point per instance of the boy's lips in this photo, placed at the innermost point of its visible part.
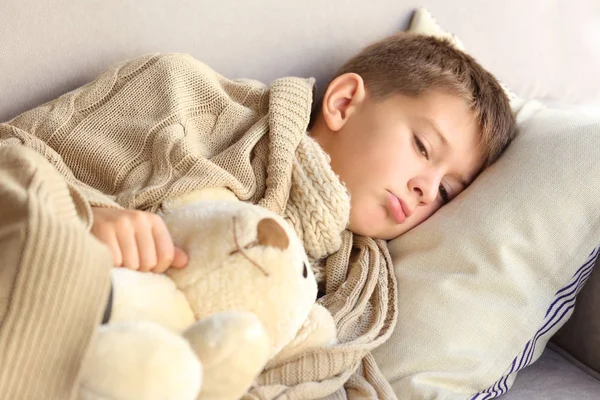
(398, 208)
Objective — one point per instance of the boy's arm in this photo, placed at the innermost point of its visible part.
(54, 281)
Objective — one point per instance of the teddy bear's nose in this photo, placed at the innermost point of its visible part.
(270, 233)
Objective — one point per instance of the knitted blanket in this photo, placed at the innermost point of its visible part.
(161, 126)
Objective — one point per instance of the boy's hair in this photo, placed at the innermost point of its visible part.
(412, 64)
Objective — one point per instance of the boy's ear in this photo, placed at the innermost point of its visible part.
(343, 97)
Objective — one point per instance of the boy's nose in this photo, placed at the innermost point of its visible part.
(426, 189)
(426, 196)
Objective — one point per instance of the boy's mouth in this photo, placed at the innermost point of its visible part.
(398, 210)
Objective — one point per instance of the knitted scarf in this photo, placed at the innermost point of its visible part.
(319, 205)
(360, 291)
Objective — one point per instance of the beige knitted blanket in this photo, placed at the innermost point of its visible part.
(161, 126)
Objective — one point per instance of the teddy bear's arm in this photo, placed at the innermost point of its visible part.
(317, 331)
(145, 296)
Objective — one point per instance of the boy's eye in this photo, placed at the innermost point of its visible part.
(444, 194)
(421, 147)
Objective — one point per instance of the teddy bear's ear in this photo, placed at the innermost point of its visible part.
(270, 233)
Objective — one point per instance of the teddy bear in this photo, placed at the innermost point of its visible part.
(245, 300)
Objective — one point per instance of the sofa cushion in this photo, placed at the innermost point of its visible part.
(485, 282)
(553, 378)
(580, 336)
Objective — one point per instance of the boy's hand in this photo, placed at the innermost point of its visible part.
(138, 240)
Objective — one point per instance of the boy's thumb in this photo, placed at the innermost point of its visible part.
(180, 259)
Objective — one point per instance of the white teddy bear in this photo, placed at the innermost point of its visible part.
(208, 330)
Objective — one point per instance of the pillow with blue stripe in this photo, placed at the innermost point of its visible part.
(485, 282)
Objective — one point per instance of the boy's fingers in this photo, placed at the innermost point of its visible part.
(165, 251)
(128, 245)
(146, 248)
(115, 250)
(180, 260)
(108, 237)
(110, 240)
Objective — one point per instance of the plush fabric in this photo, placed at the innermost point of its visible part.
(161, 126)
(488, 279)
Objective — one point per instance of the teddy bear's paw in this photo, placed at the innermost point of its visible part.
(233, 348)
(140, 361)
(318, 330)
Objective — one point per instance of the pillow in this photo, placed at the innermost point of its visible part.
(486, 281)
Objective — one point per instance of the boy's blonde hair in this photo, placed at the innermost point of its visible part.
(412, 64)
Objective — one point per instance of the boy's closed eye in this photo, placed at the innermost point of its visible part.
(423, 151)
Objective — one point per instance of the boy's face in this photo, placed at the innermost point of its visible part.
(400, 158)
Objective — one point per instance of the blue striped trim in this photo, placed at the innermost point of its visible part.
(564, 301)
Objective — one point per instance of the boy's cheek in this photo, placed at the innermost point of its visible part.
(423, 213)
(366, 216)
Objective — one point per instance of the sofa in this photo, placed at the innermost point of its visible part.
(541, 50)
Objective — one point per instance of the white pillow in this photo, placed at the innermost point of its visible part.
(485, 282)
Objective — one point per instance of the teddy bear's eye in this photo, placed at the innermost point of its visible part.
(305, 271)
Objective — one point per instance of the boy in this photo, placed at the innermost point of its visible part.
(371, 136)
(404, 127)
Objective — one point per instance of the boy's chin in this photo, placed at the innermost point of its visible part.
(384, 231)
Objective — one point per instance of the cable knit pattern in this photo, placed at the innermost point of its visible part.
(162, 126)
(319, 204)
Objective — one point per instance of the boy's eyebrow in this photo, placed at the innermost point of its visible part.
(464, 182)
